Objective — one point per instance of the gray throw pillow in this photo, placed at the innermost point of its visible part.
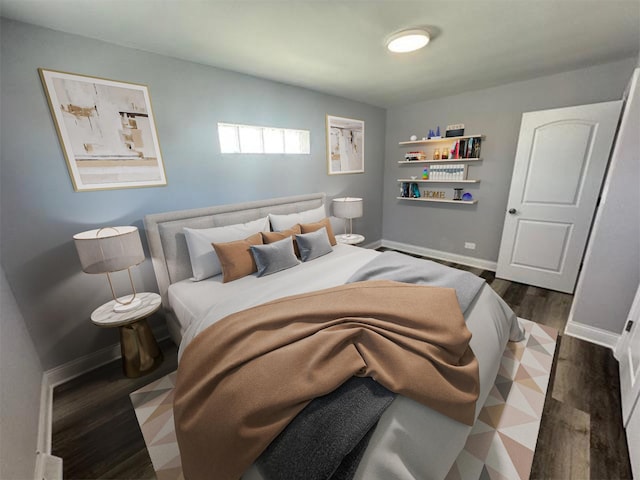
(313, 245)
(274, 257)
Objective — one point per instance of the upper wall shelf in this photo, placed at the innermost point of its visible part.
(439, 140)
(446, 160)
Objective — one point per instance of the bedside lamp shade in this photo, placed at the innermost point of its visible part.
(347, 208)
(108, 250)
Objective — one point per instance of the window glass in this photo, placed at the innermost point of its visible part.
(273, 140)
(296, 141)
(228, 135)
(250, 139)
(253, 139)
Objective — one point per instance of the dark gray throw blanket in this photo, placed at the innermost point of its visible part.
(327, 439)
(404, 268)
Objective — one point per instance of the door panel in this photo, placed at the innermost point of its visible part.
(548, 255)
(558, 171)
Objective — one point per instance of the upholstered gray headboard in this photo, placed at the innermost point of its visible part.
(167, 243)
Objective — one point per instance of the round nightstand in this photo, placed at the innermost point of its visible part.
(353, 239)
(140, 351)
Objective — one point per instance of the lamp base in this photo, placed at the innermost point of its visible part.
(119, 307)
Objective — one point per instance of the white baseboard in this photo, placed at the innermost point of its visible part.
(70, 370)
(440, 255)
(45, 418)
(592, 334)
(372, 245)
(48, 467)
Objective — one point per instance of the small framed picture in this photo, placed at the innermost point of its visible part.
(106, 130)
(345, 145)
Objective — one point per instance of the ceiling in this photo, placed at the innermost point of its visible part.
(337, 47)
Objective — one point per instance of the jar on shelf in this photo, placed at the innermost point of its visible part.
(436, 154)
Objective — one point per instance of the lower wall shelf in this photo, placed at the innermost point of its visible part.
(438, 200)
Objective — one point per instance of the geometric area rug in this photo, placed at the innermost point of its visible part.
(500, 445)
(503, 439)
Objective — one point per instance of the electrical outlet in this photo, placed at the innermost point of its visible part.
(470, 245)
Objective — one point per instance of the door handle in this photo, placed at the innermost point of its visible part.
(513, 211)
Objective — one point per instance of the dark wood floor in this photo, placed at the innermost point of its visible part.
(581, 436)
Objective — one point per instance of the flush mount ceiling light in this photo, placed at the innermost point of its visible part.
(408, 41)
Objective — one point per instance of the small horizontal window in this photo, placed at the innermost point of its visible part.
(252, 139)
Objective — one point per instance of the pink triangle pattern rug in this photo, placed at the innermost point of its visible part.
(501, 444)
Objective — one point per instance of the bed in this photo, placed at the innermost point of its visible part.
(410, 440)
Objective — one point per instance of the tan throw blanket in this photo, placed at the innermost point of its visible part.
(242, 380)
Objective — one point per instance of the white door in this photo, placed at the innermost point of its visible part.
(560, 163)
(628, 353)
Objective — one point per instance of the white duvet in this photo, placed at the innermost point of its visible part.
(411, 441)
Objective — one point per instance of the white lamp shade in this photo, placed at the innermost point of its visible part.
(348, 207)
(109, 249)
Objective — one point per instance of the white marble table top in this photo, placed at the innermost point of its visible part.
(352, 239)
(104, 316)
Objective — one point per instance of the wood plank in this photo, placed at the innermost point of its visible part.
(562, 450)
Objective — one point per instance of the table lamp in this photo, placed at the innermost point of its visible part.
(347, 208)
(108, 250)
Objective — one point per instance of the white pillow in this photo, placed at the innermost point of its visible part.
(283, 222)
(204, 260)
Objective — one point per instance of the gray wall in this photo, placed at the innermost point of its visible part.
(496, 113)
(611, 271)
(20, 385)
(41, 212)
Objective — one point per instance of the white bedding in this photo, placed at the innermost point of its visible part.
(200, 304)
(411, 441)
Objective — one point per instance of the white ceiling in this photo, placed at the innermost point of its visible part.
(337, 47)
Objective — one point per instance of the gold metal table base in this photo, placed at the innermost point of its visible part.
(140, 351)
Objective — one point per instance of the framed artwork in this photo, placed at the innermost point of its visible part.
(345, 145)
(107, 131)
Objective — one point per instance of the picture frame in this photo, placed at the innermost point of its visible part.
(345, 145)
(106, 130)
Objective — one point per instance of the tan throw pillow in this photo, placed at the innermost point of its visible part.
(236, 258)
(312, 227)
(270, 237)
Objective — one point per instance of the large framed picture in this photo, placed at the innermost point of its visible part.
(107, 131)
(345, 145)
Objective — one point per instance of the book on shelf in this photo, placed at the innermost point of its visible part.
(415, 156)
(476, 148)
(409, 190)
(469, 150)
(462, 148)
(448, 172)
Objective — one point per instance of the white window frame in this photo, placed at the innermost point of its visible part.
(238, 142)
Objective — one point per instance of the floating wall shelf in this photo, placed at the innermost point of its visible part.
(438, 200)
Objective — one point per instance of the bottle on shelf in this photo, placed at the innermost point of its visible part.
(436, 154)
